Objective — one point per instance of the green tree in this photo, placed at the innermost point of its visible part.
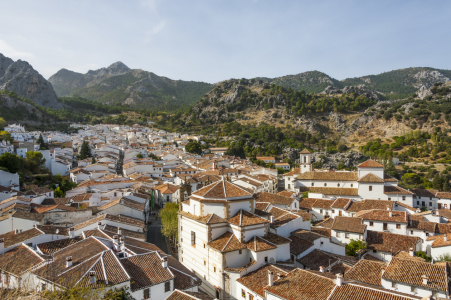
(437, 182)
(42, 144)
(93, 160)
(11, 162)
(354, 246)
(193, 147)
(85, 151)
(2, 123)
(169, 220)
(5, 136)
(411, 179)
(35, 161)
(59, 193)
(139, 155)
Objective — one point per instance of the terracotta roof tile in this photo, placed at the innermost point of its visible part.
(396, 190)
(273, 198)
(185, 295)
(51, 247)
(222, 189)
(340, 175)
(341, 203)
(318, 258)
(349, 224)
(245, 218)
(443, 195)
(390, 242)
(369, 204)
(305, 151)
(331, 191)
(370, 164)
(384, 215)
(367, 271)
(370, 177)
(18, 260)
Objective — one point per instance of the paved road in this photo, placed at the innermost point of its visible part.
(154, 235)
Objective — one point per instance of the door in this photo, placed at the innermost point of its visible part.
(385, 226)
(439, 205)
(340, 213)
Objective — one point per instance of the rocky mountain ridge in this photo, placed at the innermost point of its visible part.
(120, 85)
(20, 77)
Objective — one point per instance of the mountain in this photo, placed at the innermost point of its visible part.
(20, 77)
(121, 85)
(394, 84)
(312, 81)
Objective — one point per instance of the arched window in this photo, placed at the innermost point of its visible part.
(313, 183)
(325, 184)
(352, 184)
(338, 184)
(305, 159)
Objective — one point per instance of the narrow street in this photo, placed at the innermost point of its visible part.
(154, 235)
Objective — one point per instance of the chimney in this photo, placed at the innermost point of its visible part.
(119, 231)
(92, 277)
(68, 261)
(71, 233)
(99, 225)
(271, 219)
(339, 281)
(390, 214)
(425, 279)
(121, 244)
(164, 263)
(445, 238)
(411, 252)
(116, 243)
(280, 276)
(321, 269)
(388, 208)
(270, 278)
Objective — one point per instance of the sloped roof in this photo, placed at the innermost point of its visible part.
(245, 218)
(349, 224)
(273, 198)
(370, 177)
(222, 190)
(370, 164)
(390, 242)
(340, 176)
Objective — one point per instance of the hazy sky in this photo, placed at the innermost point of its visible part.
(213, 40)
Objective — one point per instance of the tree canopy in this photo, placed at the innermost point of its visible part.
(193, 147)
(169, 220)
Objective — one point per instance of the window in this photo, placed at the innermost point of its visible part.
(251, 297)
(352, 184)
(398, 226)
(193, 238)
(430, 204)
(333, 211)
(337, 234)
(385, 226)
(325, 184)
(167, 286)
(243, 293)
(393, 284)
(181, 228)
(204, 245)
(338, 184)
(266, 259)
(240, 251)
(321, 211)
(418, 202)
(167, 198)
(146, 293)
(346, 235)
(217, 294)
(322, 242)
(411, 232)
(313, 183)
(389, 198)
(404, 198)
(370, 188)
(374, 251)
(214, 269)
(205, 262)
(371, 223)
(289, 186)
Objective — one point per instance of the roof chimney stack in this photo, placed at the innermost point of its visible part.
(119, 231)
(339, 280)
(445, 238)
(99, 225)
(425, 279)
(116, 243)
(68, 261)
(92, 277)
(270, 278)
(164, 263)
(71, 233)
(321, 269)
(411, 252)
(271, 219)
(390, 214)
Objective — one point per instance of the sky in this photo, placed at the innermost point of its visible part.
(214, 40)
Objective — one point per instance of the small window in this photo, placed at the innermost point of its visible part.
(337, 234)
(214, 269)
(370, 188)
(181, 228)
(393, 284)
(411, 232)
(205, 262)
(404, 198)
(243, 293)
(371, 223)
(374, 251)
(346, 235)
(333, 211)
(204, 245)
(325, 184)
(320, 211)
(167, 286)
(322, 242)
(240, 251)
(398, 226)
(266, 259)
(251, 297)
(146, 294)
(418, 202)
(193, 238)
(313, 183)
(389, 198)
(352, 185)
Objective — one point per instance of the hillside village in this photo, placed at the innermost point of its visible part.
(243, 231)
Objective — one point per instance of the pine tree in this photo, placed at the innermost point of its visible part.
(85, 151)
(446, 186)
(93, 160)
(42, 144)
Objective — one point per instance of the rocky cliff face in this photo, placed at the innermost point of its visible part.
(20, 77)
(118, 84)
